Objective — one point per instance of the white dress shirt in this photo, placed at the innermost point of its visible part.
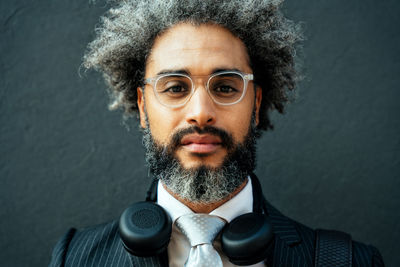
(179, 246)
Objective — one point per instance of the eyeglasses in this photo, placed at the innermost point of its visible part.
(175, 89)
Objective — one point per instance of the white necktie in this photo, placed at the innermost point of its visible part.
(201, 230)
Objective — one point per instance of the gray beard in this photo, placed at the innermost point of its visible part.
(202, 184)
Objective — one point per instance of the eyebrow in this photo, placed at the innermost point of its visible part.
(185, 71)
(168, 71)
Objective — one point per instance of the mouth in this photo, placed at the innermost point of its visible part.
(201, 144)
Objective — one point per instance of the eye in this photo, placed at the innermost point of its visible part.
(175, 89)
(224, 89)
(174, 86)
(226, 86)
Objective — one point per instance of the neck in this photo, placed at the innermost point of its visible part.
(198, 207)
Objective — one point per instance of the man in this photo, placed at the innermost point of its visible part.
(202, 76)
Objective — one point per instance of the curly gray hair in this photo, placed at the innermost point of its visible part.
(128, 30)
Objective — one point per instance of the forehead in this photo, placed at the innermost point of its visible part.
(197, 49)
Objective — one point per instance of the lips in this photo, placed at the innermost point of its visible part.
(195, 143)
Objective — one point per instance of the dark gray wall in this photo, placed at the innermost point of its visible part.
(332, 160)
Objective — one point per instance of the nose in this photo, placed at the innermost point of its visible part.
(201, 108)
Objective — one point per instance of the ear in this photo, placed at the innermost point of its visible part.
(140, 103)
(258, 103)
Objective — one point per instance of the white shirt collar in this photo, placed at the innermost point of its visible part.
(240, 204)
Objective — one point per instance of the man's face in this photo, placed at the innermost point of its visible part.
(200, 51)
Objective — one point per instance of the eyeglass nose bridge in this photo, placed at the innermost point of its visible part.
(200, 81)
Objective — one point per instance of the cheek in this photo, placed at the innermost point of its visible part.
(161, 121)
(236, 122)
(240, 123)
(240, 119)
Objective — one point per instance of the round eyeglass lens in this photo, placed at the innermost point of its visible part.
(226, 88)
(173, 90)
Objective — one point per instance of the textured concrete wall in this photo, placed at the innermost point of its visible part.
(332, 160)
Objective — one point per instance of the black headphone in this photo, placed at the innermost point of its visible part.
(145, 229)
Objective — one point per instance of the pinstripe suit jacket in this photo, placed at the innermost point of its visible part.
(294, 245)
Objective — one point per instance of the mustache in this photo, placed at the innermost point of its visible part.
(226, 138)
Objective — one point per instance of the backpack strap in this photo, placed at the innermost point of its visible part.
(333, 248)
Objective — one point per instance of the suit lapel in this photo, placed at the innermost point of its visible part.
(284, 228)
(289, 249)
(284, 251)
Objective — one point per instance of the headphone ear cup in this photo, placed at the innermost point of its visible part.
(247, 239)
(145, 229)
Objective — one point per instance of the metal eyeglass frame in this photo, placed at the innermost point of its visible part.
(154, 80)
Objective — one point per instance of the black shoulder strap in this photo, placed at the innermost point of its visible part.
(333, 248)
